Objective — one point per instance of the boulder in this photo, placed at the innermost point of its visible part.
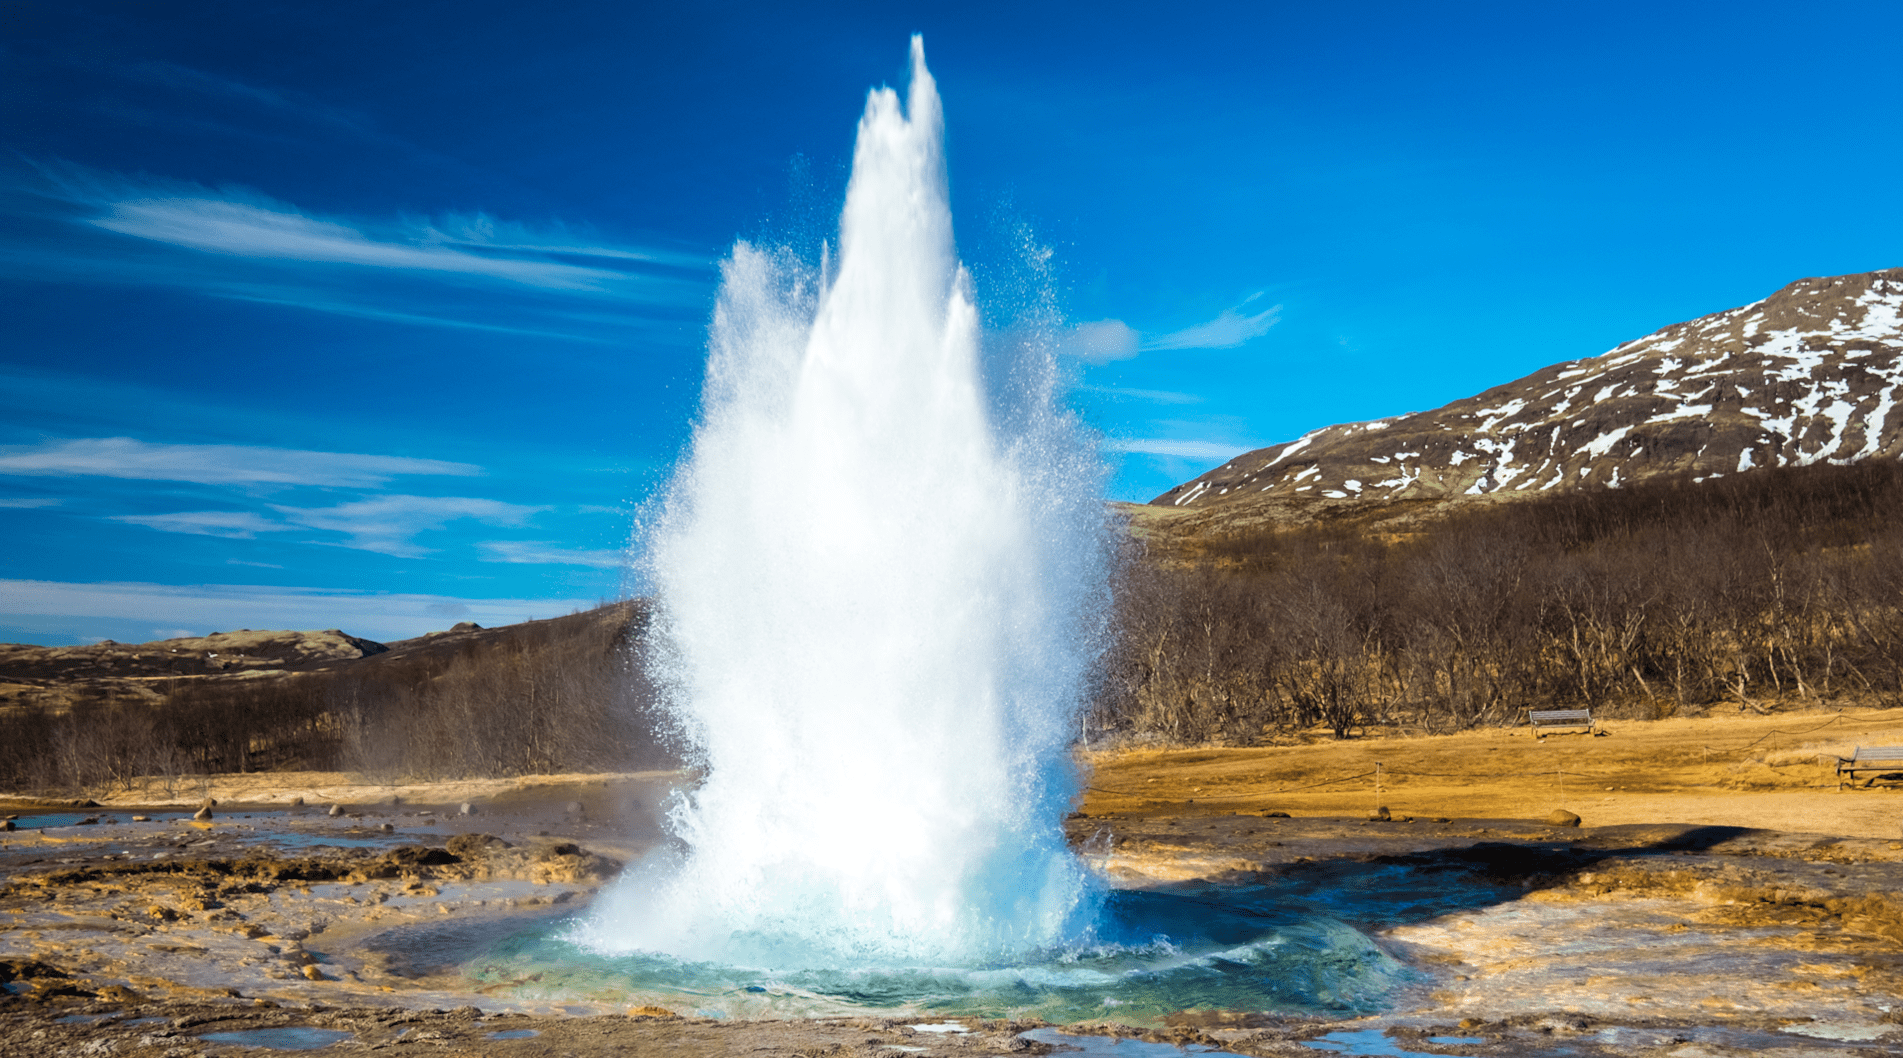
(467, 809)
(1562, 818)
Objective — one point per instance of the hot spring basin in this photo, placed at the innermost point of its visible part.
(288, 1038)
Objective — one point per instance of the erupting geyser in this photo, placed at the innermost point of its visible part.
(880, 573)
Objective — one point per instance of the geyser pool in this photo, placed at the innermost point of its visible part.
(880, 574)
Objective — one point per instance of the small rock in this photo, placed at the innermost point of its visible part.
(335, 810)
(203, 813)
(387, 828)
(575, 810)
(1562, 818)
(297, 802)
(1380, 815)
(313, 973)
(89, 821)
(467, 809)
(142, 819)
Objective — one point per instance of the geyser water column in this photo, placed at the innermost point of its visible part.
(879, 576)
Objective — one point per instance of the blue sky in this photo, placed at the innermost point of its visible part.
(386, 316)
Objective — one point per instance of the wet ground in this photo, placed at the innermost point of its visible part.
(295, 928)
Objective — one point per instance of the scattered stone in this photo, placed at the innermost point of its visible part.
(203, 813)
(467, 809)
(89, 821)
(335, 811)
(297, 802)
(1275, 814)
(387, 828)
(1562, 818)
(311, 972)
(142, 819)
(1380, 815)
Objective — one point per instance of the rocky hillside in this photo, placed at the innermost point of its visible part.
(241, 651)
(54, 677)
(1808, 375)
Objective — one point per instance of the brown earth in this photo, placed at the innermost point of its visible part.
(1723, 897)
(1766, 772)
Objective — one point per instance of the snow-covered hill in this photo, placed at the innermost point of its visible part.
(1810, 374)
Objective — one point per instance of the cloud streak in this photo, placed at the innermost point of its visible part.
(243, 229)
(540, 553)
(124, 457)
(1228, 330)
(1104, 341)
(221, 607)
(464, 271)
(386, 524)
(232, 525)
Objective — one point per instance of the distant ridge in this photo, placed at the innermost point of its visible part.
(1811, 374)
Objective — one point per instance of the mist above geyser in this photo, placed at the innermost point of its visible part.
(879, 574)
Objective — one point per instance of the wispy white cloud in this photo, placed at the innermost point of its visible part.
(234, 525)
(544, 280)
(1229, 329)
(480, 231)
(201, 608)
(1163, 446)
(245, 229)
(387, 524)
(540, 553)
(124, 457)
(26, 504)
(1102, 341)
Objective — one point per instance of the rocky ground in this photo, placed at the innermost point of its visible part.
(1666, 924)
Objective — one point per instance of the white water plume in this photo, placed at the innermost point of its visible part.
(879, 576)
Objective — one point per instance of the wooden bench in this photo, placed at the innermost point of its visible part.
(1541, 719)
(1869, 759)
